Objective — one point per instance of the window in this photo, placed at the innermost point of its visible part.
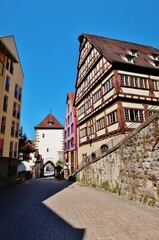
(70, 117)
(133, 115)
(2, 60)
(16, 130)
(132, 52)
(90, 127)
(12, 128)
(7, 83)
(81, 110)
(88, 103)
(154, 56)
(72, 142)
(155, 85)
(14, 109)
(16, 91)
(128, 58)
(1, 68)
(124, 80)
(133, 81)
(68, 108)
(100, 124)
(18, 111)
(97, 96)
(15, 150)
(3, 124)
(47, 150)
(20, 94)
(104, 148)
(143, 82)
(155, 63)
(1, 147)
(72, 128)
(43, 135)
(10, 65)
(5, 103)
(108, 85)
(68, 132)
(11, 149)
(82, 132)
(50, 123)
(84, 157)
(112, 117)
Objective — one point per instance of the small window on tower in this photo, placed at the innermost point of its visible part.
(50, 123)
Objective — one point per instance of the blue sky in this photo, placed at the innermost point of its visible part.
(46, 34)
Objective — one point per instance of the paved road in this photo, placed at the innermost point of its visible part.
(48, 209)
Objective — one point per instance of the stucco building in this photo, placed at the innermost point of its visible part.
(50, 140)
(117, 84)
(70, 136)
(11, 84)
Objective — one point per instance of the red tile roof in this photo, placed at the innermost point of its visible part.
(49, 122)
(113, 49)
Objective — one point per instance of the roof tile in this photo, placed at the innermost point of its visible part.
(49, 122)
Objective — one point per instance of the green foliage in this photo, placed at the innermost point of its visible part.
(152, 202)
(130, 197)
(94, 185)
(25, 146)
(22, 139)
(145, 199)
(137, 157)
(105, 185)
(59, 163)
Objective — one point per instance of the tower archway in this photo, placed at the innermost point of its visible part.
(49, 168)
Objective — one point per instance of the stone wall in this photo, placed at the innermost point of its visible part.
(130, 169)
(8, 171)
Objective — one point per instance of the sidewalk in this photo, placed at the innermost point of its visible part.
(104, 215)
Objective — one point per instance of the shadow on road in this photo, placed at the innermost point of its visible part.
(23, 216)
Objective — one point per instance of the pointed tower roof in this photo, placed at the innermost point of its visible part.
(49, 122)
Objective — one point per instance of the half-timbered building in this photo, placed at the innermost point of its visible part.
(117, 85)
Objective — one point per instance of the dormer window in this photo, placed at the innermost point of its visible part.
(128, 58)
(50, 123)
(132, 52)
(154, 56)
(155, 63)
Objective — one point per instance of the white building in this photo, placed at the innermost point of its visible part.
(50, 140)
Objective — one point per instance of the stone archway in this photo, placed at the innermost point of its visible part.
(49, 168)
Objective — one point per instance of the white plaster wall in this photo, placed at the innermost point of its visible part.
(53, 140)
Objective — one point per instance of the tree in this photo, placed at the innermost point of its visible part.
(25, 146)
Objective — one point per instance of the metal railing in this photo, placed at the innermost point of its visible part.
(99, 153)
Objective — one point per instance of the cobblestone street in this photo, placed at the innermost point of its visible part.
(48, 209)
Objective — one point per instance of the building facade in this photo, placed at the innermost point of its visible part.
(117, 85)
(70, 152)
(50, 140)
(11, 84)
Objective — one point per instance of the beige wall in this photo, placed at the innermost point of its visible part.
(17, 77)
